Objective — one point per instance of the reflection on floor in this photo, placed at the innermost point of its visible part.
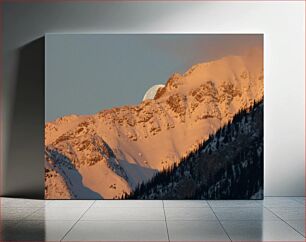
(274, 219)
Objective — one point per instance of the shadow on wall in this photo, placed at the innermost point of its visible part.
(25, 164)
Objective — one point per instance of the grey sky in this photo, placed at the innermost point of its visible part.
(86, 73)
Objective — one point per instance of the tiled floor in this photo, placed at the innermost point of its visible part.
(274, 219)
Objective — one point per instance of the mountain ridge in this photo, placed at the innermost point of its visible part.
(229, 165)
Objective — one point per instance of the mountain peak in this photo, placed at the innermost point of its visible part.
(133, 142)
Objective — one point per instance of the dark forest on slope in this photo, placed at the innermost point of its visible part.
(229, 165)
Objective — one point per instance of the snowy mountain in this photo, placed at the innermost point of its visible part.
(108, 154)
(229, 165)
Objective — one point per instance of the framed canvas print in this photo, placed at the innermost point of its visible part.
(154, 116)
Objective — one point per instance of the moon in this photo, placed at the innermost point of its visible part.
(151, 92)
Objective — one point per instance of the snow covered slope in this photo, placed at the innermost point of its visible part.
(229, 165)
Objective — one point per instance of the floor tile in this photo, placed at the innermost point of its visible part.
(300, 200)
(124, 214)
(185, 204)
(21, 203)
(69, 203)
(118, 231)
(290, 213)
(189, 214)
(196, 231)
(281, 202)
(57, 214)
(16, 213)
(298, 225)
(39, 230)
(244, 214)
(128, 204)
(261, 231)
(234, 203)
(143, 220)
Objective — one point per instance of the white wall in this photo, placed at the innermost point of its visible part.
(283, 25)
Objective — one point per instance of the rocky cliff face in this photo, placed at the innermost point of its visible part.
(114, 150)
(229, 165)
